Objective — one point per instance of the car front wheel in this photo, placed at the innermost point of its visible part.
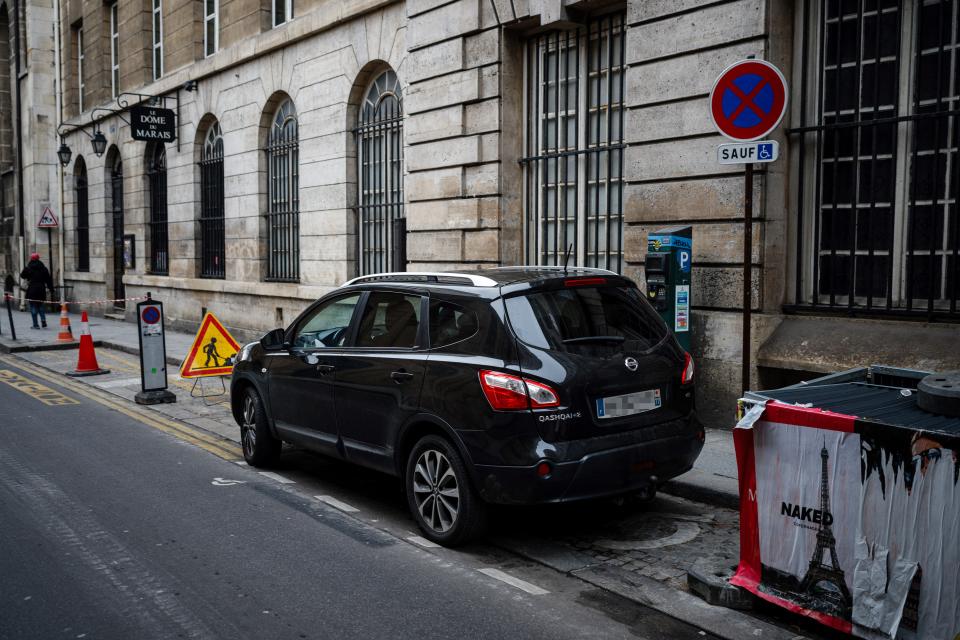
(439, 494)
(260, 447)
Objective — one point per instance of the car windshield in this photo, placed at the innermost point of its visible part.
(586, 319)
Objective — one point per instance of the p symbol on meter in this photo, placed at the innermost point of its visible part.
(683, 258)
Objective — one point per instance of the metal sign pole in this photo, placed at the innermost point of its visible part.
(13, 331)
(747, 274)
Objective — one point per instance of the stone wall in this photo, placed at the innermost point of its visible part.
(675, 51)
(320, 60)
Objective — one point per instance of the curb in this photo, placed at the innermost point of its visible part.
(117, 346)
(701, 493)
(722, 622)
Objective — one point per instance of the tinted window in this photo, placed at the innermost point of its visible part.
(389, 320)
(326, 326)
(581, 318)
(450, 323)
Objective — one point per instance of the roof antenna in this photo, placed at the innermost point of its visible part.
(566, 258)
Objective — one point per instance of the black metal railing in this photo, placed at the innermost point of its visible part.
(379, 138)
(212, 244)
(157, 178)
(878, 229)
(283, 198)
(573, 164)
(83, 215)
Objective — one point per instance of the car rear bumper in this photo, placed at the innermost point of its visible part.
(624, 468)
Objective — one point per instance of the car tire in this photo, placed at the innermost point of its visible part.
(441, 498)
(260, 447)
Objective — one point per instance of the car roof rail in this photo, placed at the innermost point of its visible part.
(551, 267)
(469, 279)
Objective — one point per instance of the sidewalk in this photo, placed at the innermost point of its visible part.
(712, 480)
(113, 334)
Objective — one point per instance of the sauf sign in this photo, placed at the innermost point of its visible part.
(153, 123)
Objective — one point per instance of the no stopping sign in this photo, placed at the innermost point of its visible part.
(748, 100)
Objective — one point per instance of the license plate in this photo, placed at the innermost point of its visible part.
(628, 404)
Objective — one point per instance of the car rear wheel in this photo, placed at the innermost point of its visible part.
(439, 494)
(260, 447)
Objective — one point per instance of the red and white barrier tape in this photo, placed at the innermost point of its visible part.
(12, 297)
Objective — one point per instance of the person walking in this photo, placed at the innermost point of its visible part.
(38, 281)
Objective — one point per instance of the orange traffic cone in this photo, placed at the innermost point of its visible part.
(87, 359)
(66, 334)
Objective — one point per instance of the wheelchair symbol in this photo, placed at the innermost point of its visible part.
(765, 152)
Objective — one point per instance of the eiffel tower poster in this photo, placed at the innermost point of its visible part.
(824, 581)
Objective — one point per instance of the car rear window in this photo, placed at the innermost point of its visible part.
(584, 318)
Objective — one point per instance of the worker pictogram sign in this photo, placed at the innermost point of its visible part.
(47, 219)
(748, 100)
(212, 352)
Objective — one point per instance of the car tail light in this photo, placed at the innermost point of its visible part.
(506, 392)
(687, 376)
(584, 282)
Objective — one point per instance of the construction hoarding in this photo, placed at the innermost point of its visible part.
(852, 522)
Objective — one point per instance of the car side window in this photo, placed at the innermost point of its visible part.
(389, 320)
(327, 325)
(450, 323)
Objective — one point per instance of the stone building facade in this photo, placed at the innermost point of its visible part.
(328, 138)
(29, 180)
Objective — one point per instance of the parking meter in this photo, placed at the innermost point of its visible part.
(668, 278)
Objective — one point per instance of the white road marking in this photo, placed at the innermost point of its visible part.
(337, 504)
(277, 477)
(423, 542)
(242, 463)
(223, 482)
(523, 585)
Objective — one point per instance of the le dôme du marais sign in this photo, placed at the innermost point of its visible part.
(153, 123)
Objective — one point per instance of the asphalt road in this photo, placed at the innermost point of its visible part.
(116, 526)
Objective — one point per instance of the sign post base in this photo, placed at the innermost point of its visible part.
(157, 396)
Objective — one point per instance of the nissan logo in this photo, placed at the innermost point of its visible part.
(631, 363)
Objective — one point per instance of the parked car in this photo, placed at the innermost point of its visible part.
(516, 385)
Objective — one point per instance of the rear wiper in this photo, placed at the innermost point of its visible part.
(594, 339)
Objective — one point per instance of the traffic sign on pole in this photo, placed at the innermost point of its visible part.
(748, 100)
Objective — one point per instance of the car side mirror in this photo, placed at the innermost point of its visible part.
(274, 340)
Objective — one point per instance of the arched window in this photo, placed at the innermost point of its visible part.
(382, 223)
(283, 199)
(211, 204)
(81, 199)
(157, 178)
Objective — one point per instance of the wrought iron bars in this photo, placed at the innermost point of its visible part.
(283, 197)
(212, 245)
(573, 165)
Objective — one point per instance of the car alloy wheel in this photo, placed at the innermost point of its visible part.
(436, 490)
(248, 429)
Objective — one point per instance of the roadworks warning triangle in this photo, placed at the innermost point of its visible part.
(212, 352)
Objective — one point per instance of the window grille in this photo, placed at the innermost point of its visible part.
(114, 51)
(83, 214)
(157, 177)
(283, 184)
(116, 198)
(878, 230)
(157, 39)
(211, 27)
(573, 164)
(381, 219)
(212, 244)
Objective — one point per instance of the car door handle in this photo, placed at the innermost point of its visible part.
(324, 369)
(401, 376)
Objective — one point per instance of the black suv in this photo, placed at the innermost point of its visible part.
(517, 385)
